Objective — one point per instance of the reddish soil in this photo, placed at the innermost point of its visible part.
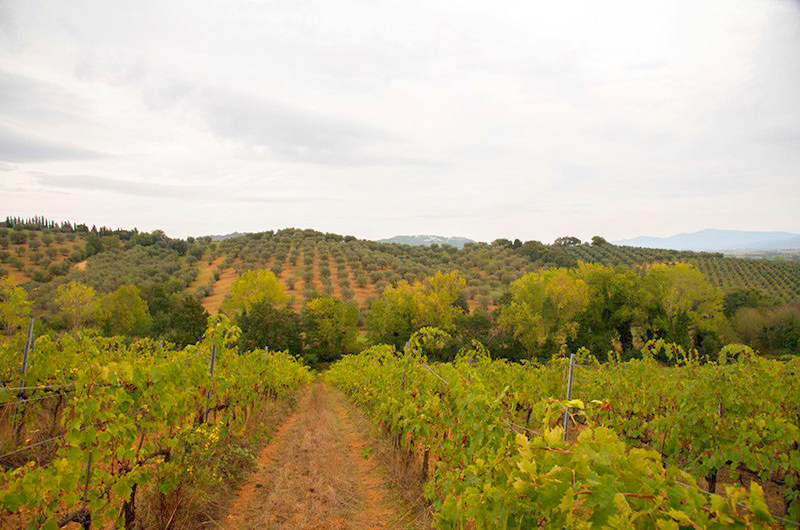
(320, 472)
(204, 274)
(362, 294)
(334, 268)
(221, 288)
(295, 272)
(18, 277)
(317, 282)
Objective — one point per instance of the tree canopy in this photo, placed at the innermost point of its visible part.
(543, 308)
(80, 302)
(329, 329)
(405, 308)
(252, 287)
(125, 313)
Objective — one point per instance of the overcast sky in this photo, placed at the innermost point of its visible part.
(480, 119)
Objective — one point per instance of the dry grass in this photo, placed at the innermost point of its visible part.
(18, 277)
(222, 287)
(40, 422)
(191, 506)
(321, 473)
(204, 274)
(401, 472)
(310, 482)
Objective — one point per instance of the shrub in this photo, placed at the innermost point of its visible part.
(18, 237)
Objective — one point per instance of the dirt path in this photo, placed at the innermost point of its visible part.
(318, 473)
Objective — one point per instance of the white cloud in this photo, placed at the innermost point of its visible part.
(530, 120)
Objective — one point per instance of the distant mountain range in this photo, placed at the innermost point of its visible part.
(719, 240)
(427, 240)
(228, 236)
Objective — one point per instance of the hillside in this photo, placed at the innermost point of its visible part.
(309, 263)
(719, 240)
(40, 257)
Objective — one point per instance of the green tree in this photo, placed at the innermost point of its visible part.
(266, 326)
(18, 237)
(567, 241)
(252, 287)
(547, 255)
(330, 329)
(598, 241)
(93, 245)
(438, 300)
(543, 309)
(742, 297)
(616, 305)
(80, 302)
(683, 307)
(14, 307)
(188, 320)
(405, 308)
(125, 313)
(390, 318)
(158, 305)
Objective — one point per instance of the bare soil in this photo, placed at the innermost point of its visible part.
(322, 471)
(204, 274)
(221, 288)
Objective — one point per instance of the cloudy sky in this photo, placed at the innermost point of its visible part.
(481, 119)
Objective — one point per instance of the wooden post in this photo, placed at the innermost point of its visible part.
(569, 394)
(211, 372)
(87, 522)
(88, 476)
(711, 478)
(19, 411)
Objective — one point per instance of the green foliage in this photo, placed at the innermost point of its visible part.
(14, 306)
(177, 317)
(494, 436)
(18, 237)
(567, 241)
(93, 245)
(543, 309)
(266, 326)
(616, 305)
(80, 302)
(776, 278)
(147, 420)
(678, 298)
(405, 308)
(329, 329)
(771, 329)
(252, 287)
(124, 312)
(742, 297)
(188, 319)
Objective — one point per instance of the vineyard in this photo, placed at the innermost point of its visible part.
(94, 424)
(490, 439)
(780, 278)
(93, 429)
